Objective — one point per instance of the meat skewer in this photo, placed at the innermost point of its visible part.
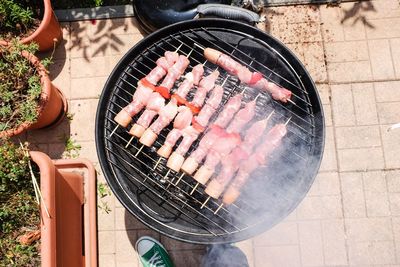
(229, 110)
(272, 140)
(144, 89)
(157, 98)
(254, 79)
(205, 85)
(225, 143)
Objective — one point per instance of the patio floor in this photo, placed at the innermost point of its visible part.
(351, 215)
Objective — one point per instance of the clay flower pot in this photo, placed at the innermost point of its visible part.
(69, 235)
(49, 30)
(53, 104)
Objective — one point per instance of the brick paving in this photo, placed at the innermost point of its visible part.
(351, 215)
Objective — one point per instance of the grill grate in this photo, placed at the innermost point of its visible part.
(149, 186)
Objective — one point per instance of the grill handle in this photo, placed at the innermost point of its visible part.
(228, 12)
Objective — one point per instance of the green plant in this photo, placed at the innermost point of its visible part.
(20, 86)
(71, 148)
(19, 211)
(103, 191)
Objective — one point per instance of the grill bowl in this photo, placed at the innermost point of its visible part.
(273, 191)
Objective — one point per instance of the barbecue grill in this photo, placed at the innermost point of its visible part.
(147, 188)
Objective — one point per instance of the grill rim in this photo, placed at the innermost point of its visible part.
(100, 129)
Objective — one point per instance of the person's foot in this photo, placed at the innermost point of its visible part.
(152, 253)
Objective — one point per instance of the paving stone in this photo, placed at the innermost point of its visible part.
(125, 221)
(83, 124)
(59, 73)
(387, 91)
(106, 242)
(377, 204)
(395, 49)
(332, 29)
(342, 105)
(56, 150)
(329, 162)
(82, 88)
(313, 207)
(284, 233)
(384, 9)
(388, 112)
(369, 229)
(354, 30)
(364, 103)
(383, 28)
(370, 253)
(328, 183)
(374, 181)
(148, 232)
(394, 200)
(283, 256)
(120, 44)
(356, 71)
(314, 61)
(88, 151)
(311, 247)
(128, 25)
(56, 134)
(381, 59)
(360, 159)
(107, 260)
(346, 51)
(359, 136)
(353, 195)
(126, 254)
(334, 243)
(95, 67)
(328, 115)
(396, 232)
(324, 92)
(391, 149)
(186, 257)
(106, 219)
(393, 181)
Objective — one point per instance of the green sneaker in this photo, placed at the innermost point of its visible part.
(152, 253)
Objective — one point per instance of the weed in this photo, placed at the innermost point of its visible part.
(19, 212)
(20, 87)
(70, 117)
(71, 148)
(103, 191)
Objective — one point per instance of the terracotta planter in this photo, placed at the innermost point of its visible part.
(53, 104)
(49, 30)
(69, 236)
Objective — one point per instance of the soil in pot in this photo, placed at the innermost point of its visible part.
(19, 18)
(19, 211)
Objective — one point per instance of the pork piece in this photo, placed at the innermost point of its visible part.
(191, 78)
(145, 88)
(231, 107)
(259, 157)
(166, 115)
(175, 72)
(205, 85)
(225, 143)
(231, 162)
(210, 107)
(229, 111)
(242, 117)
(254, 79)
(155, 104)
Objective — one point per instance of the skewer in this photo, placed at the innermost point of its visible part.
(180, 178)
(394, 126)
(166, 175)
(286, 123)
(129, 142)
(116, 127)
(179, 47)
(291, 101)
(199, 46)
(170, 182)
(205, 202)
(188, 55)
(140, 149)
(220, 206)
(194, 189)
(158, 162)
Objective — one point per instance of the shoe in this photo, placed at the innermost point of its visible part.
(152, 253)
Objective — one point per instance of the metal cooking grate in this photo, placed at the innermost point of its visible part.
(150, 188)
